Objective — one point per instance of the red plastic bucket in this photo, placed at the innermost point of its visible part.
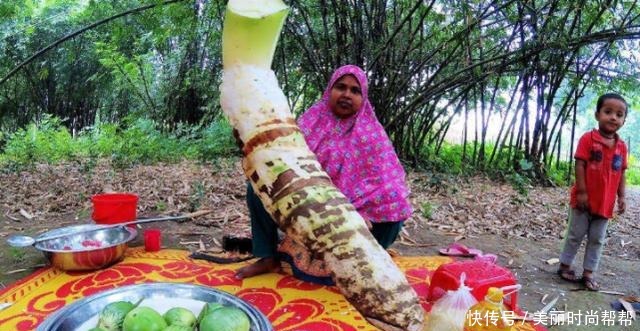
(113, 208)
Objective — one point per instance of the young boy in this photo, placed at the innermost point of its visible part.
(601, 160)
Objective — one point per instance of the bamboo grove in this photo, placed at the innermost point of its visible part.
(523, 64)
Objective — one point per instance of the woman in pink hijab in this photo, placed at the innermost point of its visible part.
(355, 151)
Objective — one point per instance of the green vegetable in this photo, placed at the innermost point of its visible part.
(208, 308)
(225, 319)
(143, 319)
(180, 316)
(178, 328)
(112, 315)
(97, 328)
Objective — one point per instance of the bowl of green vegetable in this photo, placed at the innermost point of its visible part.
(158, 306)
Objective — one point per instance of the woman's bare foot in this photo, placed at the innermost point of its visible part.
(262, 266)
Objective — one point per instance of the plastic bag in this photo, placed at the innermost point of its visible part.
(449, 312)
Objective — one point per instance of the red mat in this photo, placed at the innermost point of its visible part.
(288, 303)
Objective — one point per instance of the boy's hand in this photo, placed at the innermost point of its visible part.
(622, 205)
(582, 201)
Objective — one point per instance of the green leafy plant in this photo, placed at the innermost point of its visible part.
(197, 196)
(84, 214)
(520, 183)
(633, 176)
(17, 255)
(136, 141)
(161, 206)
(427, 209)
(217, 141)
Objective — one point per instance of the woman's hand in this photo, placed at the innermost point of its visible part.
(582, 201)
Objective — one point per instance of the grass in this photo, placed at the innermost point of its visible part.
(138, 141)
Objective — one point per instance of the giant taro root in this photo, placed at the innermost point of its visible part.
(290, 182)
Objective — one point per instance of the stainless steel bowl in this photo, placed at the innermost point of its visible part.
(86, 251)
(77, 314)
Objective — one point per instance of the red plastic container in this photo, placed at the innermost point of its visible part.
(113, 208)
(480, 275)
(152, 240)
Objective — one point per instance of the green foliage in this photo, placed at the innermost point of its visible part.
(426, 209)
(161, 206)
(142, 143)
(448, 159)
(558, 175)
(217, 140)
(520, 183)
(197, 196)
(17, 254)
(137, 142)
(633, 176)
(45, 142)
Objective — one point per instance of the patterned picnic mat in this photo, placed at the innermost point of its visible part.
(289, 304)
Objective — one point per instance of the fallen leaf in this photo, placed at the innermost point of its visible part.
(15, 271)
(611, 292)
(544, 297)
(25, 214)
(216, 242)
(11, 217)
(185, 243)
(632, 298)
(553, 261)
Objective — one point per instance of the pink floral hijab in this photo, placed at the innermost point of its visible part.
(357, 154)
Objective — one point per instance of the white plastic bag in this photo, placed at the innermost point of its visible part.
(449, 312)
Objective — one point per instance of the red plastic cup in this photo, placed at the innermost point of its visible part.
(152, 240)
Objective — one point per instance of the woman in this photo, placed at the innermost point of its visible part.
(355, 151)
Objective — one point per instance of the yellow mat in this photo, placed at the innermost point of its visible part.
(289, 304)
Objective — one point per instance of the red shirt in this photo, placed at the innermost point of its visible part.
(603, 171)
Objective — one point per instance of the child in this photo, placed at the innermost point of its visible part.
(601, 160)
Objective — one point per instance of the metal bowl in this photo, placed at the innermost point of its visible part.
(82, 313)
(86, 251)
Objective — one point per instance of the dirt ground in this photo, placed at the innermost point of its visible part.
(524, 231)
